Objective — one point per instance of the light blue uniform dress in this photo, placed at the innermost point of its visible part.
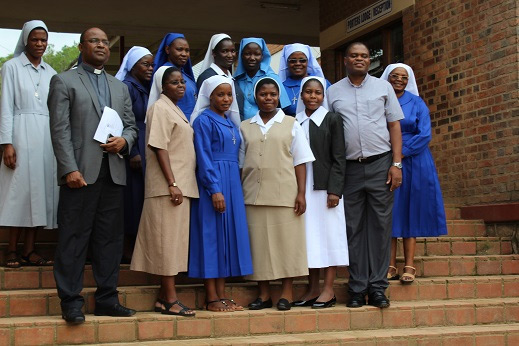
(29, 193)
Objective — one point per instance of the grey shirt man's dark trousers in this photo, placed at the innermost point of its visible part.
(90, 216)
(368, 205)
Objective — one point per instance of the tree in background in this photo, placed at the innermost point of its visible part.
(59, 60)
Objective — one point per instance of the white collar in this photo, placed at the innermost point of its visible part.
(220, 72)
(277, 118)
(317, 117)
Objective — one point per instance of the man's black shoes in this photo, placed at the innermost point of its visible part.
(116, 310)
(356, 300)
(378, 299)
(73, 315)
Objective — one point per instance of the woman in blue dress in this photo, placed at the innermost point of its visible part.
(418, 204)
(136, 71)
(219, 238)
(174, 51)
(297, 61)
(253, 65)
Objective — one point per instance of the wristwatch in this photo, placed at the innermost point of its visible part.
(397, 165)
(172, 184)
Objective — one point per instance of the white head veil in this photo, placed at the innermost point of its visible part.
(203, 102)
(130, 59)
(24, 35)
(300, 105)
(156, 86)
(209, 58)
(313, 67)
(411, 83)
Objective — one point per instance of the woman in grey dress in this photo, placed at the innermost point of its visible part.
(28, 186)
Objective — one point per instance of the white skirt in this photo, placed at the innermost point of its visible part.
(326, 241)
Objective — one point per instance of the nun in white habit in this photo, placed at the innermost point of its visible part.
(28, 184)
(325, 223)
(219, 60)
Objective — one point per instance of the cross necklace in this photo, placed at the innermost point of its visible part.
(37, 85)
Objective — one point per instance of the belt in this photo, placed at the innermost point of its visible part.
(370, 158)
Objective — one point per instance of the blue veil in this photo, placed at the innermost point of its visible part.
(161, 58)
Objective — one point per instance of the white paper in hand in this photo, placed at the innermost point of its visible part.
(109, 125)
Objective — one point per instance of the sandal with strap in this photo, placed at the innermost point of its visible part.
(391, 276)
(227, 307)
(13, 262)
(182, 312)
(408, 278)
(234, 305)
(161, 302)
(26, 260)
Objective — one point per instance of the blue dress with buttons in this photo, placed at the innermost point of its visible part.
(418, 209)
(218, 242)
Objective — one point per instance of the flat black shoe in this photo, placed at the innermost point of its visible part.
(300, 303)
(116, 310)
(324, 305)
(259, 304)
(284, 304)
(378, 299)
(74, 316)
(356, 300)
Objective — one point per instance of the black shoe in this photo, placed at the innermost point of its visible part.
(299, 303)
(284, 304)
(74, 316)
(116, 310)
(378, 299)
(259, 304)
(323, 305)
(356, 300)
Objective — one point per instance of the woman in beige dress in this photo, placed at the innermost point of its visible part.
(163, 238)
(273, 154)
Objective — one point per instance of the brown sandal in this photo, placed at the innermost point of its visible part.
(13, 262)
(39, 262)
(391, 276)
(408, 278)
(232, 304)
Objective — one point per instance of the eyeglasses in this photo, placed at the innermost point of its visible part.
(147, 64)
(97, 41)
(397, 77)
(295, 61)
(177, 82)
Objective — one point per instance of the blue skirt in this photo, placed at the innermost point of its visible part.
(219, 243)
(418, 209)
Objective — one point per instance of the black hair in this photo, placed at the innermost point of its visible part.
(266, 81)
(219, 44)
(356, 43)
(168, 72)
(82, 36)
(311, 80)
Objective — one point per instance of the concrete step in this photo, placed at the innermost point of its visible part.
(466, 228)
(445, 246)
(43, 302)
(492, 334)
(154, 326)
(429, 266)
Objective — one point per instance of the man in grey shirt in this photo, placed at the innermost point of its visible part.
(371, 114)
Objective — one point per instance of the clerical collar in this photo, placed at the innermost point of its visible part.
(91, 69)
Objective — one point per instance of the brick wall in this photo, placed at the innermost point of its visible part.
(466, 59)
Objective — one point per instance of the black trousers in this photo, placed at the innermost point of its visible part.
(89, 216)
(368, 204)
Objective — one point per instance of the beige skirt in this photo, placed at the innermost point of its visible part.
(278, 243)
(162, 241)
